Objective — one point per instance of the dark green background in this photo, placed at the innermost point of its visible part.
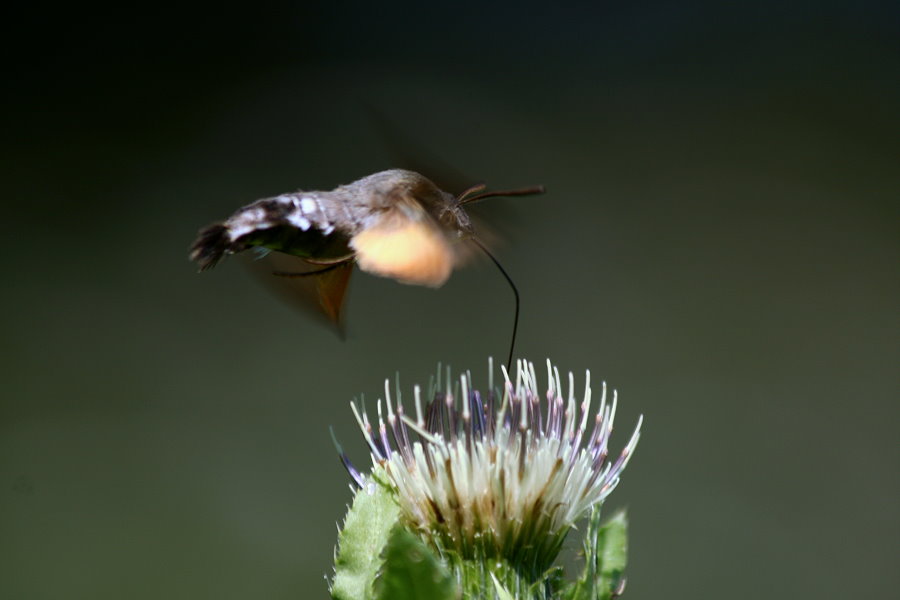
(719, 241)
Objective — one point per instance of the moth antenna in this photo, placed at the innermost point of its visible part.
(515, 290)
(478, 187)
(467, 197)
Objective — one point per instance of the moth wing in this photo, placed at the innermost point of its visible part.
(407, 151)
(405, 243)
(495, 221)
(319, 294)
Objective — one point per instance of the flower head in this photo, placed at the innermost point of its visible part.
(497, 475)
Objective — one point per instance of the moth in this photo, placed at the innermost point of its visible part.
(395, 223)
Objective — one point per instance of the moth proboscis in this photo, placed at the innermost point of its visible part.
(394, 223)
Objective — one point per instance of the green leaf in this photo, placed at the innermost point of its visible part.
(411, 571)
(502, 592)
(361, 542)
(613, 544)
(605, 557)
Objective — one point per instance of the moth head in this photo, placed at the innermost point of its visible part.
(443, 207)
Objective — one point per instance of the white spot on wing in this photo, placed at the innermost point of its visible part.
(246, 222)
(298, 221)
(236, 232)
(323, 213)
(308, 205)
(328, 230)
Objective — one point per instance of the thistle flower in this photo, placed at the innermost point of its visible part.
(495, 479)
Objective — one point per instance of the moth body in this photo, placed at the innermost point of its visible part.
(394, 223)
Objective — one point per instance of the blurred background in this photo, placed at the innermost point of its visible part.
(719, 241)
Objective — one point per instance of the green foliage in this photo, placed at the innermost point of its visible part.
(412, 571)
(605, 556)
(497, 579)
(502, 592)
(362, 539)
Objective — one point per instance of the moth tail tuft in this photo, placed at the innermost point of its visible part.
(210, 246)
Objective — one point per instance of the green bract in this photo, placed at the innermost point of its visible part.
(361, 542)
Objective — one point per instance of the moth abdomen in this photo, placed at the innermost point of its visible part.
(298, 224)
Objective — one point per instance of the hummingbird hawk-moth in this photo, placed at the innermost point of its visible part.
(394, 223)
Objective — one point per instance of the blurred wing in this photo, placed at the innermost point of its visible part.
(405, 244)
(407, 152)
(320, 295)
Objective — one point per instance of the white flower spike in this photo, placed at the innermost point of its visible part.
(488, 477)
